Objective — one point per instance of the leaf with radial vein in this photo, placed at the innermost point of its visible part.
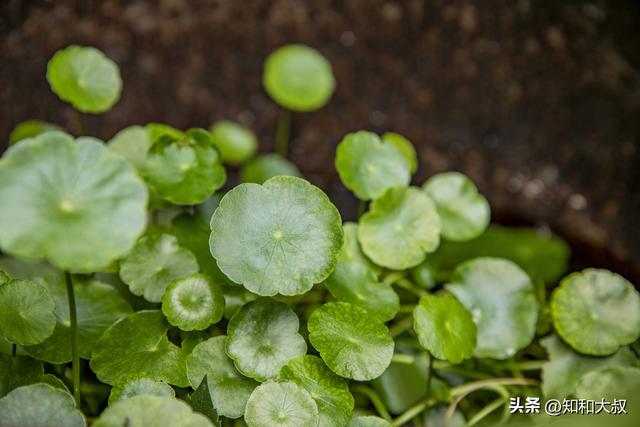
(266, 166)
(331, 392)
(155, 261)
(609, 383)
(464, 212)
(193, 303)
(353, 282)
(39, 405)
(18, 371)
(281, 404)
(445, 327)
(26, 312)
(262, 337)
(98, 306)
(138, 385)
(596, 311)
(185, 170)
(229, 389)
(502, 302)
(352, 342)
(85, 78)
(405, 147)
(369, 167)
(401, 227)
(141, 342)
(77, 191)
(565, 367)
(151, 411)
(280, 237)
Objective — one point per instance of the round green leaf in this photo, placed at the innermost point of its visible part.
(281, 404)
(26, 312)
(351, 250)
(186, 170)
(565, 368)
(30, 129)
(596, 311)
(400, 228)
(405, 147)
(609, 383)
(353, 282)
(141, 343)
(74, 203)
(330, 392)
(85, 78)
(464, 212)
(266, 166)
(236, 143)
(502, 302)
(298, 78)
(445, 327)
(151, 411)
(18, 371)
(193, 303)
(132, 143)
(262, 337)
(155, 261)
(39, 405)
(139, 386)
(369, 167)
(353, 343)
(280, 237)
(368, 421)
(229, 389)
(98, 306)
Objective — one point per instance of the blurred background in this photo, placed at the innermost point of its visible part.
(537, 101)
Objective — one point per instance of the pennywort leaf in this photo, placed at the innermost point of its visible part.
(39, 405)
(353, 343)
(280, 237)
(405, 147)
(267, 166)
(193, 303)
(236, 143)
(281, 404)
(368, 421)
(132, 143)
(138, 385)
(30, 129)
(18, 371)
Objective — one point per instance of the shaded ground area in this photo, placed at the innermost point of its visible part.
(539, 102)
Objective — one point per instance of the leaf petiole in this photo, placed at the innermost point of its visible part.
(374, 399)
(283, 130)
(74, 337)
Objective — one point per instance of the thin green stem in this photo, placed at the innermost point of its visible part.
(429, 375)
(448, 367)
(412, 412)
(392, 277)
(529, 365)
(401, 326)
(406, 359)
(484, 412)
(283, 129)
(14, 349)
(407, 308)
(406, 284)
(74, 338)
(79, 123)
(374, 399)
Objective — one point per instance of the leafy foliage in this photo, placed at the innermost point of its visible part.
(284, 404)
(39, 405)
(267, 166)
(236, 143)
(139, 386)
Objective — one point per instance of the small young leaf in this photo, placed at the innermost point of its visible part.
(351, 250)
(155, 261)
(368, 421)
(596, 311)
(18, 371)
(236, 143)
(565, 368)
(353, 282)
(502, 302)
(139, 386)
(262, 337)
(98, 306)
(26, 312)
(464, 212)
(445, 327)
(39, 405)
(609, 383)
(193, 303)
(30, 129)
(85, 78)
(141, 342)
(186, 170)
(229, 389)
(78, 192)
(405, 147)
(331, 393)
(200, 401)
(369, 167)
(281, 404)
(151, 411)
(298, 78)
(280, 237)
(267, 166)
(400, 228)
(132, 143)
(353, 343)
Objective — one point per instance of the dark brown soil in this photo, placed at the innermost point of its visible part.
(538, 101)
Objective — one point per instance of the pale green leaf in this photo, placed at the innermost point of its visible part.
(39, 405)
(193, 303)
(281, 404)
